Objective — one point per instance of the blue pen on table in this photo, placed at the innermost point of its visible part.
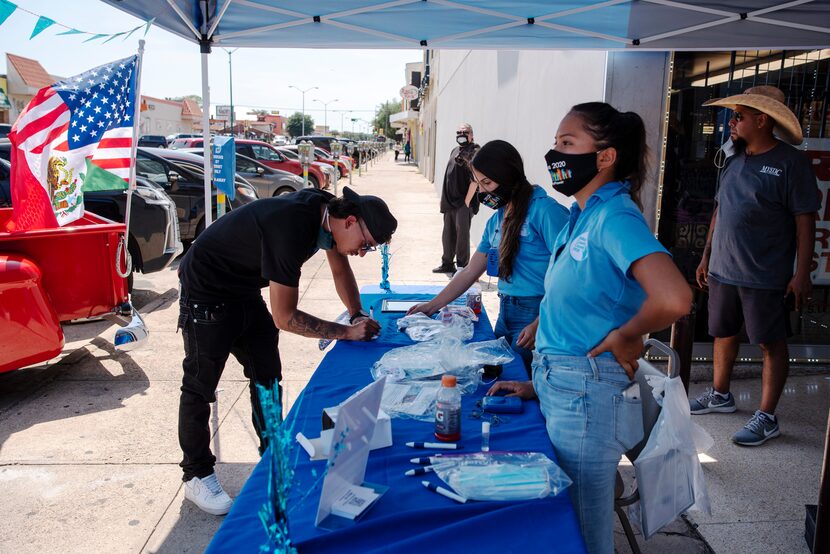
(419, 471)
(435, 445)
(444, 492)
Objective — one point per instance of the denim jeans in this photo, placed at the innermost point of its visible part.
(212, 331)
(516, 313)
(591, 425)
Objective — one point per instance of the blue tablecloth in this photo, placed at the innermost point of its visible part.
(408, 518)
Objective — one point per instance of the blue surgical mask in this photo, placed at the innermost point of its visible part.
(325, 240)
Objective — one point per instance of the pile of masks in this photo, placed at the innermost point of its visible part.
(502, 475)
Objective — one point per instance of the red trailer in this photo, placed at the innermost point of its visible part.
(48, 276)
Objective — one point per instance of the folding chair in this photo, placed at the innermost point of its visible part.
(651, 411)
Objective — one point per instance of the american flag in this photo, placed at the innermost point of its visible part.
(86, 117)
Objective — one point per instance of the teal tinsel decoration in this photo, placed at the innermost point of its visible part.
(384, 270)
(273, 514)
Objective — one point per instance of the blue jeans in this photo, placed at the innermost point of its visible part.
(591, 425)
(516, 313)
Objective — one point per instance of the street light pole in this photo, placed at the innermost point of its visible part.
(230, 80)
(303, 91)
(325, 111)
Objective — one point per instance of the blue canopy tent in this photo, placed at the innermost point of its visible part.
(494, 24)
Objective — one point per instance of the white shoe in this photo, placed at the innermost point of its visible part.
(208, 494)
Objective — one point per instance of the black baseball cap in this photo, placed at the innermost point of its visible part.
(375, 214)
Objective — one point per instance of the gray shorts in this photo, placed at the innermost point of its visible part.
(764, 312)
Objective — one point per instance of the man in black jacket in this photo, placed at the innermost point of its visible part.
(457, 209)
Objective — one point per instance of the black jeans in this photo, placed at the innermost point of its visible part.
(455, 238)
(211, 332)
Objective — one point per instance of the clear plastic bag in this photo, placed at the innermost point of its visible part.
(420, 327)
(410, 400)
(669, 476)
(431, 360)
(502, 475)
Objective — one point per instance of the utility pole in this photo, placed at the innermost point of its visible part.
(230, 81)
(325, 111)
(303, 91)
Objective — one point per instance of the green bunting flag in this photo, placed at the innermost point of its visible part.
(95, 37)
(97, 179)
(6, 9)
(72, 32)
(42, 24)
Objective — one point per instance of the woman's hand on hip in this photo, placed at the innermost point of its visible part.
(626, 350)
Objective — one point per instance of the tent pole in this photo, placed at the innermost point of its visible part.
(206, 137)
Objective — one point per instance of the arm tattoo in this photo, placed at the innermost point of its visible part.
(307, 325)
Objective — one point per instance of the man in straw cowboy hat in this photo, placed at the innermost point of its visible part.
(764, 221)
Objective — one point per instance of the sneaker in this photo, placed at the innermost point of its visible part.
(444, 269)
(759, 430)
(710, 402)
(208, 494)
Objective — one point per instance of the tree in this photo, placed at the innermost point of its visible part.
(295, 125)
(195, 97)
(381, 121)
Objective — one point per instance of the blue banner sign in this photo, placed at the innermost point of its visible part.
(224, 165)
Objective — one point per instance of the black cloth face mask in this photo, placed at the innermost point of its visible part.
(495, 199)
(571, 172)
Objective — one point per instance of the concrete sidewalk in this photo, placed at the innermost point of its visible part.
(89, 452)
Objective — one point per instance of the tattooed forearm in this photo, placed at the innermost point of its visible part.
(307, 325)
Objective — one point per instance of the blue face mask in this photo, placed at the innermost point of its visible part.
(325, 240)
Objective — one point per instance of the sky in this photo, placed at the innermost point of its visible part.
(358, 79)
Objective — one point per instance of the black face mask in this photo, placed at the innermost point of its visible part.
(462, 140)
(496, 199)
(571, 172)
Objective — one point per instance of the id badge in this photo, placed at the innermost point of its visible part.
(493, 262)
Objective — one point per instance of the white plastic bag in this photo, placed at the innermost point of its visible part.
(669, 476)
(420, 327)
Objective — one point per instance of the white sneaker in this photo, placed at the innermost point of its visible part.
(208, 494)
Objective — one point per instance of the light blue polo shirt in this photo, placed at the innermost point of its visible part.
(589, 290)
(545, 219)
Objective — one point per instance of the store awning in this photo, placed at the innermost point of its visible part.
(401, 118)
(494, 24)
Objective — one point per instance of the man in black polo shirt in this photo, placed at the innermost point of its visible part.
(222, 311)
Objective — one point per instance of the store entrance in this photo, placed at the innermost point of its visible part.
(690, 173)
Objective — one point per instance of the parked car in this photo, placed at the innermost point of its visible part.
(266, 180)
(279, 140)
(152, 141)
(269, 155)
(5, 129)
(174, 136)
(320, 141)
(292, 154)
(324, 157)
(183, 181)
(153, 240)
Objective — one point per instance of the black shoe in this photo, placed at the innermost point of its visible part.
(444, 269)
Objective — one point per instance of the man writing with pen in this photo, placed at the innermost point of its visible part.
(222, 311)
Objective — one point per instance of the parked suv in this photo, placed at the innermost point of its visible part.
(153, 141)
(175, 136)
(183, 181)
(320, 141)
(153, 240)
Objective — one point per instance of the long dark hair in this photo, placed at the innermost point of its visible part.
(500, 161)
(626, 133)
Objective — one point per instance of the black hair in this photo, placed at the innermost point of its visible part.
(623, 131)
(342, 208)
(500, 161)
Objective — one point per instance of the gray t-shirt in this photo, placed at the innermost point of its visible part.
(759, 196)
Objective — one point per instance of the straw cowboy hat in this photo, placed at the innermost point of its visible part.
(769, 100)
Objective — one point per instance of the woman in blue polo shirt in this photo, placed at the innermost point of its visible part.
(520, 236)
(609, 283)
